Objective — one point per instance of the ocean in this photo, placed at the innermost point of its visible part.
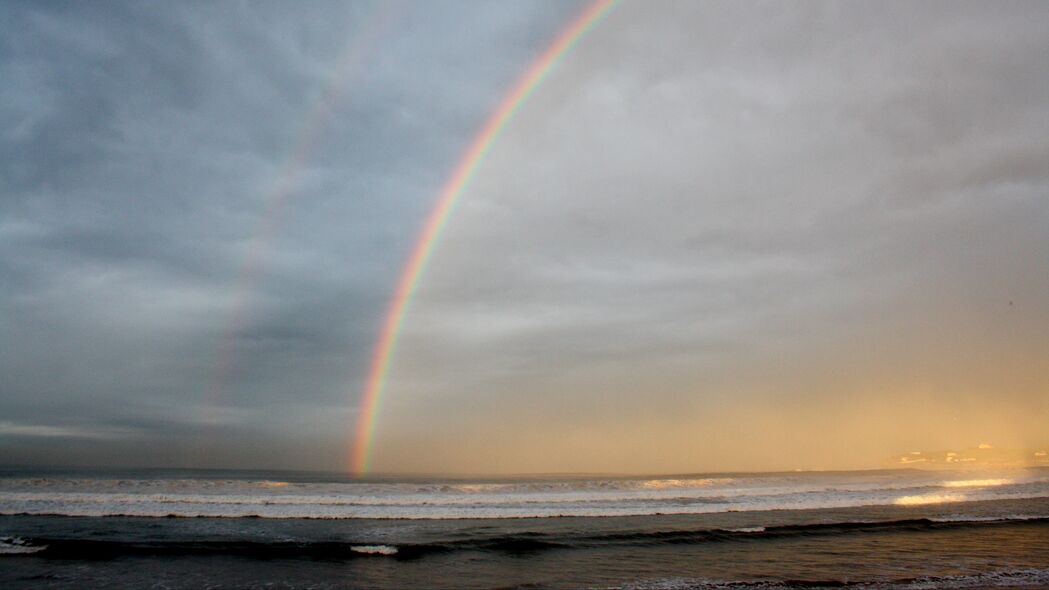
(908, 529)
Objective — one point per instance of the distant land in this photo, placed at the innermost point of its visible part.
(983, 455)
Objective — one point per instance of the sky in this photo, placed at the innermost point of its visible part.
(718, 236)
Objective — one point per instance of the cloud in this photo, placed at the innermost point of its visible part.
(806, 224)
(14, 429)
(189, 242)
(804, 213)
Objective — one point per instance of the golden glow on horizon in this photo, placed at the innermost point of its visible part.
(614, 353)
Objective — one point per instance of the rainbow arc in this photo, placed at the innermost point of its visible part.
(453, 189)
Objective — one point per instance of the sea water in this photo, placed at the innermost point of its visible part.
(190, 529)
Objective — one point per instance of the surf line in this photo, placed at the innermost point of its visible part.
(462, 174)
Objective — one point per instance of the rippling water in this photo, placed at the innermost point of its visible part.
(298, 497)
(906, 529)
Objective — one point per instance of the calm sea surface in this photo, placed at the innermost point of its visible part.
(214, 529)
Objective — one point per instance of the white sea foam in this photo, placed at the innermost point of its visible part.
(921, 499)
(18, 546)
(976, 483)
(504, 499)
(374, 549)
(665, 484)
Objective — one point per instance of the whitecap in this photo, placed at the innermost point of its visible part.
(18, 546)
(374, 549)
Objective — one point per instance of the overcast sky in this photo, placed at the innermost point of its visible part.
(720, 235)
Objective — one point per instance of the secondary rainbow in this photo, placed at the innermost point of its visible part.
(442, 210)
(361, 43)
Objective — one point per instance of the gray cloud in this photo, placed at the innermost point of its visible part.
(182, 257)
(752, 222)
(716, 229)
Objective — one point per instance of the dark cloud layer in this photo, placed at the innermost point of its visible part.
(204, 207)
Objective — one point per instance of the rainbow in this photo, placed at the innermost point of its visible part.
(438, 218)
(350, 64)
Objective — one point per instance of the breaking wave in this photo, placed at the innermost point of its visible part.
(506, 499)
(18, 546)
